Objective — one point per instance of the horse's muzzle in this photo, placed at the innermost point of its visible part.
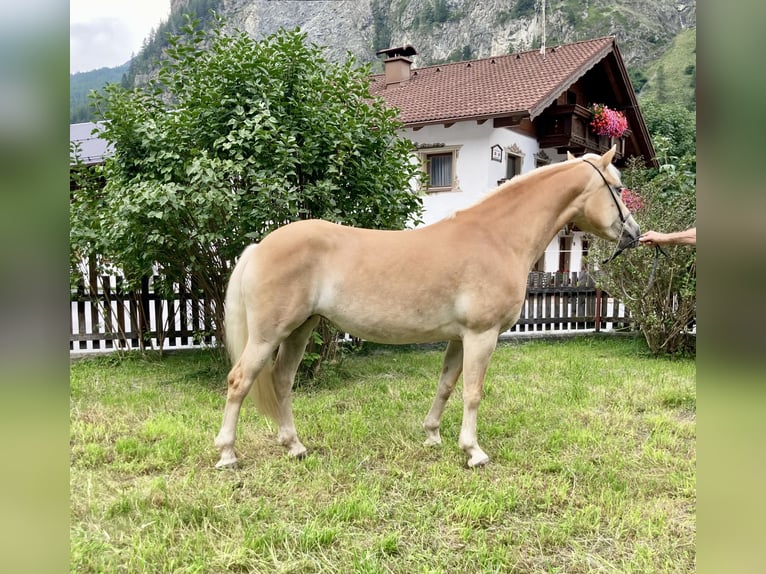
(630, 234)
(628, 238)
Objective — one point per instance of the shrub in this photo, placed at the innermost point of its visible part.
(664, 201)
(234, 138)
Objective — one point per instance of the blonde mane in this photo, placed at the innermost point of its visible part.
(514, 182)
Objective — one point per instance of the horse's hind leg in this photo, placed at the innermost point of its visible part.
(286, 365)
(451, 369)
(240, 379)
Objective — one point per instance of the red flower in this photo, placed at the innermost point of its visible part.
(631, 199)
(608, 122)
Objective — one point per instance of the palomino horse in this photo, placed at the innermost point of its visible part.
(461, 280)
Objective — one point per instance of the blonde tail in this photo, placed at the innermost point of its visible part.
(262, 390)
(235, 313)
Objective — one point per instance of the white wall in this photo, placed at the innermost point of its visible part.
(576, 262)
(476, 173)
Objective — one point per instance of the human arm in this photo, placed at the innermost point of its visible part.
(686, 237)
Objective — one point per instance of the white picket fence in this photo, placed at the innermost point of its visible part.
(105, 318)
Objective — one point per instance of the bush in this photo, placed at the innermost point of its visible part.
(234, 138)
(666, 307)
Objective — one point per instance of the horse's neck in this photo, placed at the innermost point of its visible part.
(530, 212)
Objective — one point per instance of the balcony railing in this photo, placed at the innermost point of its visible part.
(568, 127)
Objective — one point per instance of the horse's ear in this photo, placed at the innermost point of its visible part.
(569, 155)
(606, 159)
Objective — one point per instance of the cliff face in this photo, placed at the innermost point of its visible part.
(465, 29)
(453, 30)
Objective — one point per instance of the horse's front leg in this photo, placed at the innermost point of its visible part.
(451, 369)
(477, 349)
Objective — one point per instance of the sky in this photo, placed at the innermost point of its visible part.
(106, 33)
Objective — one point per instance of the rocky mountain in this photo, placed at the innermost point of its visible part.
(452, 30)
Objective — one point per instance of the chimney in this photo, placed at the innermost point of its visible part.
(397, 64)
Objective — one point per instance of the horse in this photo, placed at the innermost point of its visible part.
(461, 280)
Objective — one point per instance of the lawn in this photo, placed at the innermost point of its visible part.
(591, 441)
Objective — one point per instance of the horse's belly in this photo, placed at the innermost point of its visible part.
(376, 327)
(392, 302)
(419, 320)
(390, 319)
(400, 336)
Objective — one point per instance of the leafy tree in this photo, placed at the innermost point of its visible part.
(80, 85)
(433, 12)
(638, 79)
(524, 8)
(661, 86)
(86, 196)
(673, 128)
(202, 11)
(666, 304)
(233, 139)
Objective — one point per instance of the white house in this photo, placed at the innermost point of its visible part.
(476, 123)
(90, 149)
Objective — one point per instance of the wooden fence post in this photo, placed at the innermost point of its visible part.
(107, 311)
(598, 309)
(93, 299)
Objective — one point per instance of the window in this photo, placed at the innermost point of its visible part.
(542, 158)
(514, 157)
(440, 168)
(513, 166)
(565, 252)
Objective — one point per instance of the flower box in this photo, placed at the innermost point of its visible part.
(607, 122)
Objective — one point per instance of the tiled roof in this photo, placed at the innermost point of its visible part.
(524, 83)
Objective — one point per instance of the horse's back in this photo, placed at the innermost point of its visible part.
(334, 246)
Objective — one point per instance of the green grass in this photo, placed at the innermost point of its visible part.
(592, 446)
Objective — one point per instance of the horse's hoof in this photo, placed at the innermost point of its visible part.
(298, 453)
(433, 441)
(478, 462)
(227, 464)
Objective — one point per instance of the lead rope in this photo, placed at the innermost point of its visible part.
(617, 249)
(657, 251)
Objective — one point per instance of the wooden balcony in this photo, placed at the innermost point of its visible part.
(567, 128)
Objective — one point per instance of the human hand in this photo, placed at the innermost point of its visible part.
(654, 238)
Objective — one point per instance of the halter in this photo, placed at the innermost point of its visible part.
(612, 191)
(657, 249)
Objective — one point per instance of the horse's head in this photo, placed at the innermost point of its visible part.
(603, 212)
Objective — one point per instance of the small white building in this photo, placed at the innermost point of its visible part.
(89, 147)
(479, 122)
